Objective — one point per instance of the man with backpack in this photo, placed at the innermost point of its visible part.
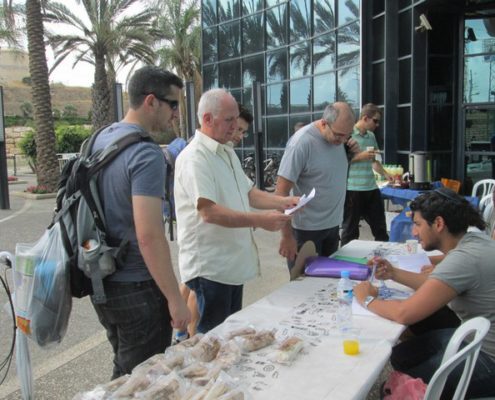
(143, 299)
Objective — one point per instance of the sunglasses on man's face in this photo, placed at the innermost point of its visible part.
(173, 104)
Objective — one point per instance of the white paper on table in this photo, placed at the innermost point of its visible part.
(410, 262)
(358, 309)
(303, 200)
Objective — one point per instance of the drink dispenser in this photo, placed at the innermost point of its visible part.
(420, 170)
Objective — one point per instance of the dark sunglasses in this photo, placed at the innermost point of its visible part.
(174, 104)
(375, 120)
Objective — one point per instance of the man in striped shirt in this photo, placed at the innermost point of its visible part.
(363, 199)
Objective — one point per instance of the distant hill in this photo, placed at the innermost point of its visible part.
(14, 68)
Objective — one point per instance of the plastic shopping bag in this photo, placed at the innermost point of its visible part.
(400, 386)
(42, 298)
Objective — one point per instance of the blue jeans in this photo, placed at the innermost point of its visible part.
(421, 356)
(137, 322)
(326, 241)
(216, 301)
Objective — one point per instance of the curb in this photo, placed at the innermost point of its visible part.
(34, 196)
(18, 182)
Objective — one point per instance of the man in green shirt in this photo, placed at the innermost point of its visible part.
(363, 198)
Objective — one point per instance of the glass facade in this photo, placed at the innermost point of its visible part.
(436, 87)
(306, 54)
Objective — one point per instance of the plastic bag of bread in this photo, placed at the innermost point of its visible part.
(242, 331)
(234, 394)
(104, 391)
(206, 349)
(287, 350)
(223, 385)
(212, 374)
(228, 355)
(165, 387)
(194, 370)
(256, 341)
(137, 382)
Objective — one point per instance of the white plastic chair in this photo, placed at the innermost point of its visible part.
(453, 356)
(486, 186)
(485, 200)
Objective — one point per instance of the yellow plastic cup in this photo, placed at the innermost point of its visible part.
(350, 341)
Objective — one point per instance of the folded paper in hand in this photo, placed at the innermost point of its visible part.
(303, 200)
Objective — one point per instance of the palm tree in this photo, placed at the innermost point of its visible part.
(10, 32)
(179, 28)
(46, 159)
(111, 38)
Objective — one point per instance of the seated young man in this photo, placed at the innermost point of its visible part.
(464, 279)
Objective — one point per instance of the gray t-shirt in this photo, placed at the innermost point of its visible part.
(469, 269)
(309, 161)
(138, 170)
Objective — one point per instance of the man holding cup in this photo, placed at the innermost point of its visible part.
(363, 198)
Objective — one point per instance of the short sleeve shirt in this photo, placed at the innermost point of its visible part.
(361, 176)
(210, 170)
(469, 269)
(310, 161)
(138, 171)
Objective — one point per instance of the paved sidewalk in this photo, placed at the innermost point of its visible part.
(84, 358)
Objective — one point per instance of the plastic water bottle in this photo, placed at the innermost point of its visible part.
(180, 336)
(344, 296)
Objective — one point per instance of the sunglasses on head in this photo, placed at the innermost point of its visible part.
(173, 104)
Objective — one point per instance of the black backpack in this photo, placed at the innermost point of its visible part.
(93, 255)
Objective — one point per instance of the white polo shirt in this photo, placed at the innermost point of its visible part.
(210, 170)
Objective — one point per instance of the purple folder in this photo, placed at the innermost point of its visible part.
(331, 268)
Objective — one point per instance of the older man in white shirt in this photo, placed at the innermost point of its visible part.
(217, 251)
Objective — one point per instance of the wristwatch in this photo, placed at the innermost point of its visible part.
(368, 300)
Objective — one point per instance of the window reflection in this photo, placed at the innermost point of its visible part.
(276, 132)
(405, 81)
(209, 9)
(276, 65)
(479, 79)
(228, 9)
(300, 95)
(252, 33)
(348, 46)
(405, 33)
(229, 40)
(300, 19)
(404, 125)
(480, 138)
(230, 74)
(440, 127)
(210, 45)
(348, 86)
(252, 70)
(378, 83)
(210, 77)
(479, 36)
(378, 41)
(324, 53)
(276, 98)
(348, 11)
(324, 15)
(276, 26)
(298, 119)
(324, 91)
(300, 60)
(251, 6)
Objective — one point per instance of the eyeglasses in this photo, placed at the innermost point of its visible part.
(173, 104)
(376, 121)
(339, 135)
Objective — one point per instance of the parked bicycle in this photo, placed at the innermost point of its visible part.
(270, 169)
